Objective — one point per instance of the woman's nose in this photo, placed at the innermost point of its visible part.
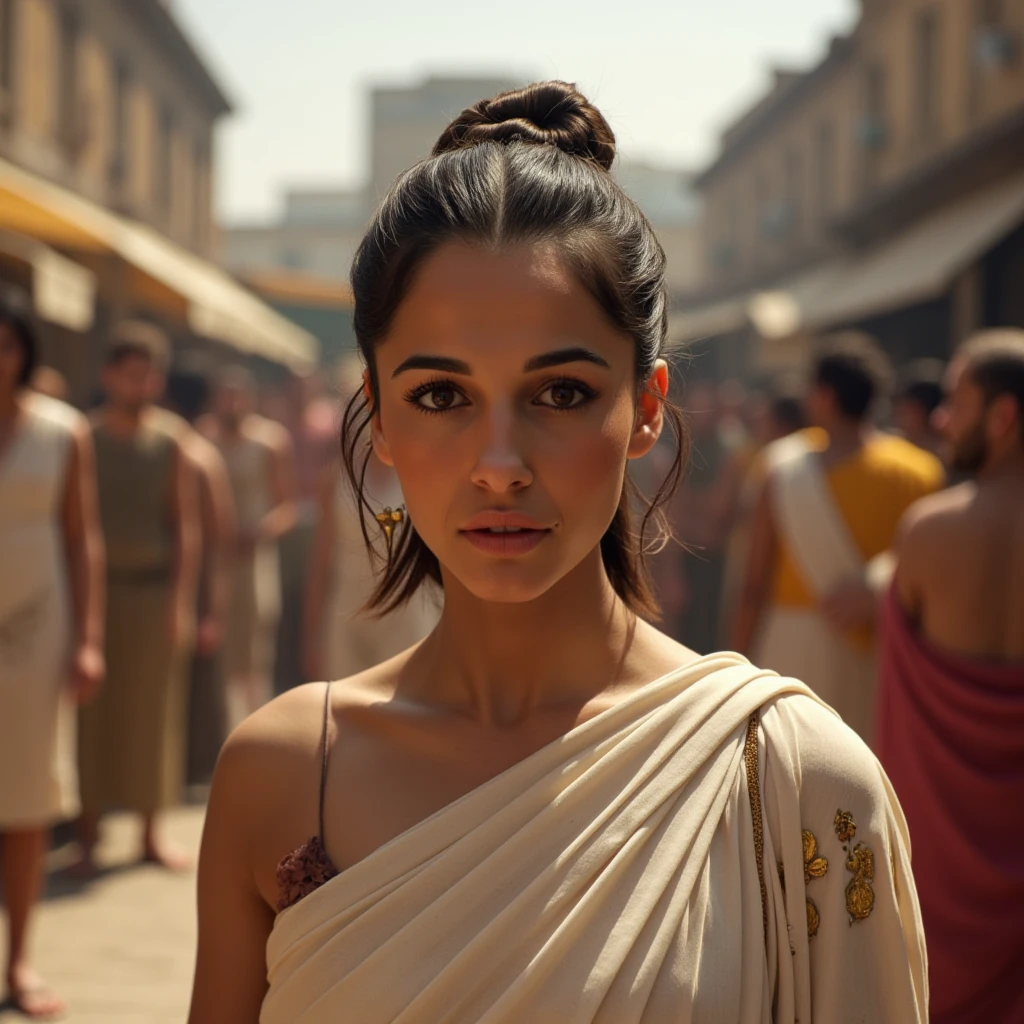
(501, 465)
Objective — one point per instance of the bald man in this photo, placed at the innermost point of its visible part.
(951, 707)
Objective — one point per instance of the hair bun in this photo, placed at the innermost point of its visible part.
(545, 113)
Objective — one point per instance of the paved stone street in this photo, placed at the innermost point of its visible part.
(120, 949)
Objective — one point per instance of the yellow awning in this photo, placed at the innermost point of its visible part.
(164, 274)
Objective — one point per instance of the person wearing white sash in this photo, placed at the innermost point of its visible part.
(548, 810)
(822, 531)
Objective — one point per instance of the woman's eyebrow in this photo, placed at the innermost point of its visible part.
(442, 363)
(564, 355)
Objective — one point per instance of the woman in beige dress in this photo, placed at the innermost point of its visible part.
(547, 810)
(340, 639)
(51, 568)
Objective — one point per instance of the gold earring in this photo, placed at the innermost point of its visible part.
(388, 518)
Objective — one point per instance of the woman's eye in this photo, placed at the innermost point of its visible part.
(564, 396)
(440, 399)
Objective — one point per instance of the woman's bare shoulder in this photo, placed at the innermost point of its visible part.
(266, 788)
(824, 765)
(276, 747)
(269, 760)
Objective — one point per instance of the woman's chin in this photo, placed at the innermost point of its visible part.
(507, 584)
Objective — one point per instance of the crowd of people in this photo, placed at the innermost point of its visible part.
(867, 536)
(191, 549)
(146, 543)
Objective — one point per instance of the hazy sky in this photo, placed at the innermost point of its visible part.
(666, 73)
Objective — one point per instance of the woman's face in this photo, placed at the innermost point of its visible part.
(508, 409)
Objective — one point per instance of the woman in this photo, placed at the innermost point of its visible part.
(51, 632)
(547, 810)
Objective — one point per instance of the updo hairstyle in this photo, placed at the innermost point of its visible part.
(530, 165)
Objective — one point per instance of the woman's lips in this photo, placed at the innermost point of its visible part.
(518, 542)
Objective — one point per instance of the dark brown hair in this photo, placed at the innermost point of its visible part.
(995, 362)
(855, 368)
(21, 327)
(530, 165)
(139, 338)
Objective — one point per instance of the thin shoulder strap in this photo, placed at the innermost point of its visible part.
(325, 747)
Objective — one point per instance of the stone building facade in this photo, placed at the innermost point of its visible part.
(884, 187)
(107, 122)
(109, 99)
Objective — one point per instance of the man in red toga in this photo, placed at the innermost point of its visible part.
(951, 703)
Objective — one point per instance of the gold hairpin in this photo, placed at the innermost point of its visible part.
(388, 518)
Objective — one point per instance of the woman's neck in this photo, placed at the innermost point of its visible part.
(502, 662)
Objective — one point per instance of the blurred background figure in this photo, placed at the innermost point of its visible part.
(774, 413)
(51, 632)
(188, 394)
(340, 641)
(918, 394)
(951, 716)
(259, 457)
(830, 504)
(50, 382)
(132, 737)
(312, 421)
(700, 514)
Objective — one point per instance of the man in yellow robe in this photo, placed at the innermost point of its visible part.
(823, 525)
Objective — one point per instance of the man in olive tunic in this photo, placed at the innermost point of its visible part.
(132, 737)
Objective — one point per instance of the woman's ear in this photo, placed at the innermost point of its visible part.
(650, 415)
(377, 438)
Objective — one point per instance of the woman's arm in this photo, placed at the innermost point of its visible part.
(184, 501)
(843, 914)
(318, 580)
(220, 532)
(263, 805)
(83, 542)
(234, 920)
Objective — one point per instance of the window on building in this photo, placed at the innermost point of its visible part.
(927, 66)
(162, 168)
(762, 204)
(995, 46)
(873, 128)
(792, 212)
(68, 126)
(120, 151)
(201, 195)
(824, 168)
(6, 61)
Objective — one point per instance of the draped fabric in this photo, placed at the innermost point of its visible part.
(800, 642)
(614, 876)
(950, 737)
